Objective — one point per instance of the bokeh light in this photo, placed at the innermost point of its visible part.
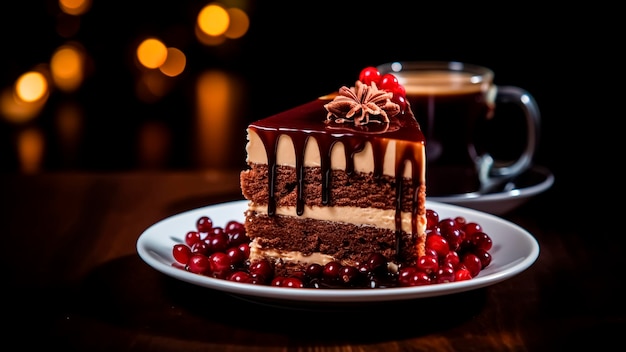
(31, 86)
(67, 67)
(151, 53)
(74, 7)
(213, 20)
(174, 64)
(30, 149)
(239, 23)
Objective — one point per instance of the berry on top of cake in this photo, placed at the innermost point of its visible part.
(337, 179)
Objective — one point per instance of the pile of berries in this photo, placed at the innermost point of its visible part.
(456, 250)
(387, 82)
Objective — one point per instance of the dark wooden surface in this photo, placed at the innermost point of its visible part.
(72, 280)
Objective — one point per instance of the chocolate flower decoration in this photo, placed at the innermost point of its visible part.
(361, 105)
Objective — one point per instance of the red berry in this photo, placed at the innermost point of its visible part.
(388, 82)
(181, 253)
(452, 258)
(432, 219)
(204, 224)
(236, 255)
(200, 247)
(462, 275)
(219, 264)
(245, 249)
(414, 277)
(438, 243)
(261, 268)
(481, 240)
(471, 227)
(484, 256)
(239, 276)
(192, 237)
(400, 100)
(472, 263)
(445, 273)
(277, 281)
(369, 75)
(217, 242)
(292, 282)
(428, 263)
(198, 264)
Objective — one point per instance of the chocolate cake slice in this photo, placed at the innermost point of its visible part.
(336, 179)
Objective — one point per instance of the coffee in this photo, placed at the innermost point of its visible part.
(452, 102)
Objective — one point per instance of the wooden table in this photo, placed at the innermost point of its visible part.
(73, 280)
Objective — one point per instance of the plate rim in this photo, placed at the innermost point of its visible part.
(149, 255)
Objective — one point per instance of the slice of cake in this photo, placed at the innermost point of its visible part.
(337, 179)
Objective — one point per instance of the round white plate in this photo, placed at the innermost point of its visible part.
(513, 251)
(513, 194)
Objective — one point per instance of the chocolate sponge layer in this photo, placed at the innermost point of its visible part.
(345, 242)
(358, 189)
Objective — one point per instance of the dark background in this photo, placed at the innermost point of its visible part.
(296, 51)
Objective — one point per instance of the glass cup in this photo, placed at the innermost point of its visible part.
(453, 102)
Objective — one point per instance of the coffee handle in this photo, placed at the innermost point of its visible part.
(492, 175)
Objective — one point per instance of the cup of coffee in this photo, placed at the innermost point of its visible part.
(455, 104)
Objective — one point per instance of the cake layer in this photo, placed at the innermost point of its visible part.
(299, 241)
(362, 190)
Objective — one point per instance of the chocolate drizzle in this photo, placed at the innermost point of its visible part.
(307, 120)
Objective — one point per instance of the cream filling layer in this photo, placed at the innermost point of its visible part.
(383, 218)
(363, 161)
(257, 252)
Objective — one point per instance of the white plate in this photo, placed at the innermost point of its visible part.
(513, 251)
(514, 193)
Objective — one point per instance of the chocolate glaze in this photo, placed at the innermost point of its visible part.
(309, 120)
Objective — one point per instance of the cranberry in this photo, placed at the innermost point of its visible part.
(192, 237)
(369, 74)
(216, 242)
(233, 227)
(245, 249)
(472, 263)
(277, 281)
(432, 219)
(438, 243)
(481, 240)
(484, 256)
(181, 253)
(204, 224)
(445, 273)
(388, 82)
(412, 276)
(261, 268)
(292, 282)
(471, 227)
(198, 263)
(377, 263)
(219, 264)
(452, 258)
(331, 270)
(428, 263)
(462, 275)
(236, 256)
(349, 275)
(240, 276)
(314, 270)
(200, 247)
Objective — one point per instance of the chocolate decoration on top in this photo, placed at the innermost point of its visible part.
(361, 105)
